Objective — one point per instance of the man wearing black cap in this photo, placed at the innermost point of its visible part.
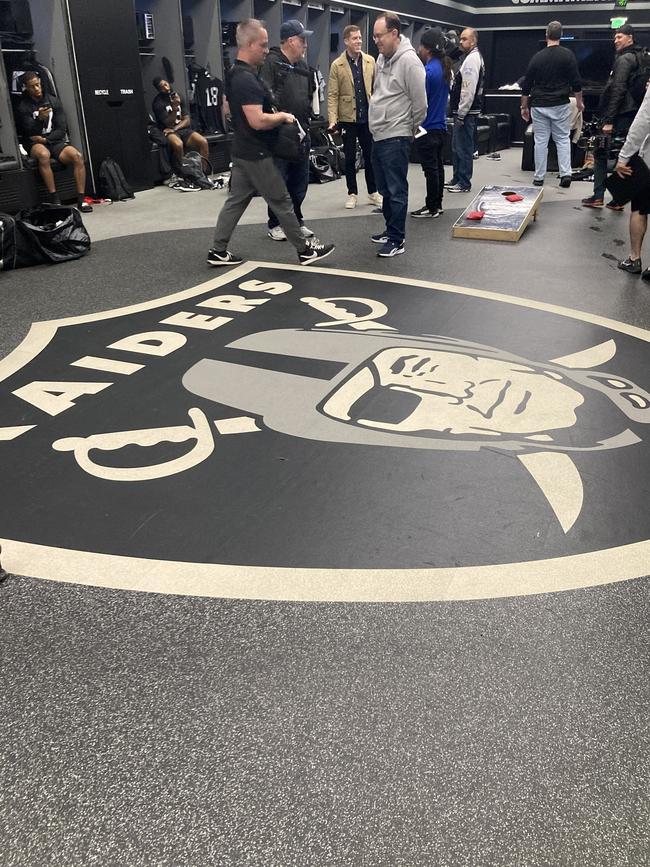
(173, 122)
(438, 69)
(617, 108)
(287, 74)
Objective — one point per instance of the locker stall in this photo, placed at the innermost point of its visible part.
(270, 12)
(360, 18)
(201, 27)
(164, 41)
(339, 20)
(37, 37)
(9, 158)
(232, 12)
(318, 49)
(294, 9)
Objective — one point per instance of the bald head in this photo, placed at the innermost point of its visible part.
(468, 39)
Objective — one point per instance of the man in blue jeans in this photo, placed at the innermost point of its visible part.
(466, 102)
(398, 105)
(287, 75)
(552, 75)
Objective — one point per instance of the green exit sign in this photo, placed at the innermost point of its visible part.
(617, 22)
(621, 4)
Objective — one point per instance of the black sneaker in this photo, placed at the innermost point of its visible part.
(646, 275)
(314, 252)
(565, 181)
(390, 249)
(223, 257)
(85, 208)
(380, 238)
(632, 266)
(538, 182)
(424, 213)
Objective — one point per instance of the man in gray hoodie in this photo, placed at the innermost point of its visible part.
(638, 140)
(397, 107)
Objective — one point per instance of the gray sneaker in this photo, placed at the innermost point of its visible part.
(277, 234)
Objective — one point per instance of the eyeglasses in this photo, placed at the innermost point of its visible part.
(377, 36)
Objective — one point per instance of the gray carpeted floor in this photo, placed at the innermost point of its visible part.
(143, 729)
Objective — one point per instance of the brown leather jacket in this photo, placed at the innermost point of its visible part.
(341, 101)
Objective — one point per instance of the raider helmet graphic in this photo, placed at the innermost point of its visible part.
(431, 392)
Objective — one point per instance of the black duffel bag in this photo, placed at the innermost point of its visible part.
(286, 143)
(10, 252)
(49, 234)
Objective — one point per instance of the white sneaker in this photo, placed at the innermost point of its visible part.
(305, 232)
(277, 234)
(375, 199)
(351, 201)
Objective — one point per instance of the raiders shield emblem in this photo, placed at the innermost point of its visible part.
(323, 435)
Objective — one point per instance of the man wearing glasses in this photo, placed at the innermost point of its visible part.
(397, 107)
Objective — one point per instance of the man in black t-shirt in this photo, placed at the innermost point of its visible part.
(173, 122)
(253, 169)
(552, 75)
(43, 131)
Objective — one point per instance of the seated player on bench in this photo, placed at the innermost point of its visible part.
(42, 128)
(173, 121)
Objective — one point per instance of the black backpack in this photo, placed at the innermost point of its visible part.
(191, 169)
(639, 77)
(112, 182)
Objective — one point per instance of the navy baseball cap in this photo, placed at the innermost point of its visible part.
(293, 27)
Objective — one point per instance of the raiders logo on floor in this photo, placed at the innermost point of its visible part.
(277, 433)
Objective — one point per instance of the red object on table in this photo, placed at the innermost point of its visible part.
(476, 215)
(514, 198)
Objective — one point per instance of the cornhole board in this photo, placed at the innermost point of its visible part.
(503, 220)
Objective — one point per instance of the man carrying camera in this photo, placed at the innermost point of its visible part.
(287, 74)
(42, 127)
(617, 109)
(253, 168)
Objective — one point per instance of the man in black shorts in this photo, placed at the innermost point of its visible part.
(638, 140)
(173, 122)
(253, 169)
(43, 131)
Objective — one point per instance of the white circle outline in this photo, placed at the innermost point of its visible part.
(119, 572)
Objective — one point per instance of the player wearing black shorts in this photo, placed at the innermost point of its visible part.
(173, 122)
(43, 131)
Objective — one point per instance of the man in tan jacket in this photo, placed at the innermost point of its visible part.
(348, 95)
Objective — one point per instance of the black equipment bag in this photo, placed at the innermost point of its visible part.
(322, 166)
(9, 244)
(112, 182)
(286, 143)
(326, 160)
(191, 168)
(47, 234)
